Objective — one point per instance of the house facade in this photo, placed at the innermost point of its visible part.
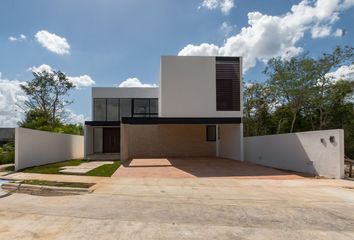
(195, 112)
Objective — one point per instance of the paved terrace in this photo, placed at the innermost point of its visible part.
(199, 167)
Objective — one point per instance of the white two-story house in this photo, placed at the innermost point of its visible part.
(195, 112)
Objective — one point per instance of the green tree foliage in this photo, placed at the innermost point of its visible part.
(45, 107)
(301, 95)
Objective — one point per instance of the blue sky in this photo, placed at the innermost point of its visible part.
(110, 41)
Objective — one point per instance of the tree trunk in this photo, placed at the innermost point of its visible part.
(293, 122)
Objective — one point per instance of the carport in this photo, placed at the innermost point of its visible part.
(201, 167)
(151, 138)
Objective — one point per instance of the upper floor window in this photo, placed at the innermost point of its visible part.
(99, 109)
(113, 109)
(145, 107)
(228, 77)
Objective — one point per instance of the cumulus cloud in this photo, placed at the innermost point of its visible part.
(269, 36)
(12, 100)
(135, 82)
(20, 38)
(226, 28)
(321, 31)
(53, 42)
(224, 5)
(345, 72)
(78, 81)
(75, 118)
(82, 81)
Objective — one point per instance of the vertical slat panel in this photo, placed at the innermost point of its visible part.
(228, 77)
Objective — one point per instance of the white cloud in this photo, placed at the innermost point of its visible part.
(224, 5)
(270, 36)
(342, 73)
(82, 81)
(12, 39)
(321, 31)
(75, 118)
(53, 42)
(11, 98)
(41, 68)
(339, 32)
(78, 81)
(226, 28)
(21, 37)
(135, 82)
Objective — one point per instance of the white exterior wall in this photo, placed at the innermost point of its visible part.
(188, 88)
(88, 140)
(230, 144)
(116, 92)
(33, 147)
(301, 152)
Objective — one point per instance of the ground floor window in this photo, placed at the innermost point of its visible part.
(211, 133)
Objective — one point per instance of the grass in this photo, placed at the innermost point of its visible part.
(58, 184)
(9, 169)
(7, 157)
(103, 171)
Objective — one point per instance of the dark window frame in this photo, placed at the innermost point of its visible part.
(133, 114)
(149, 114)
(208, 127)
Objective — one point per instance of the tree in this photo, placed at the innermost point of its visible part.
(291, 81)
(45, 107)
(258, 101)
(46, 95)
(301, 94)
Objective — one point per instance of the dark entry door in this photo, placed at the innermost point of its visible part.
(111, 140)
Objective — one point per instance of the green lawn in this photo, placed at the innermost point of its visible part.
(103, 171)
(7, 157)
(58, 184)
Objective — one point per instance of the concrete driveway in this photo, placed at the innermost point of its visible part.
(187, 208)
(199, 167)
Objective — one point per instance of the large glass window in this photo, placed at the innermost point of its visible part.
(154, 107)
(112, 109)
(99, 109)
(141, 107)
(125, 107)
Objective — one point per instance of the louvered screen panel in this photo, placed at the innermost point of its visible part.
(228, 84)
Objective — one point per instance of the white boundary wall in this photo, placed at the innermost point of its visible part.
(307, 152)
(33, 147)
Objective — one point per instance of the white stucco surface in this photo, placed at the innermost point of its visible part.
(307, 152)
(230, 143)
(188, 88)
(133, 92)
(88, 148)
(33, 147)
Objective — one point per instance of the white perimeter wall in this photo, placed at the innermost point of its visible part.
(33, 147)
(230, 143)
(188, 88)
(301, 152)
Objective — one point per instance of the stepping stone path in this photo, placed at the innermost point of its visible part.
(84, 167)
